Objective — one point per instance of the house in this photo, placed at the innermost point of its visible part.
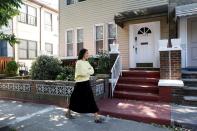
(96, 28)
(156, 41)
(36, 27)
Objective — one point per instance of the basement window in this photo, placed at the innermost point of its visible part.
(81, 0)
(70, 2)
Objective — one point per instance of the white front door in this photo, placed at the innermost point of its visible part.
(192, 42)
(144, 45)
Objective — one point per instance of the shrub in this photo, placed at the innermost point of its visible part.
(94, 63)
(45, 68)
(11, 68)
(101, 63)
(67, 73)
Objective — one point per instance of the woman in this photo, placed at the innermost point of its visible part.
(82, 98)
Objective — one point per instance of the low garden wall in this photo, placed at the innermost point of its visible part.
(47, 92)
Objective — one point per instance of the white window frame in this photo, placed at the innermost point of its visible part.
(26, 15)
(52, 51)
(51, 19)
(108, 33)
(73, 42)
(78, 28)
(94, 34)
(28, 50)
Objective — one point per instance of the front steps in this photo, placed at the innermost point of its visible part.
(138, 85)
(188, 94)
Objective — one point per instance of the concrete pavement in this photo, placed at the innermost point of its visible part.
(37, 117)
(184, 116)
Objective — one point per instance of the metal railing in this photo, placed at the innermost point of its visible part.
(116, 71)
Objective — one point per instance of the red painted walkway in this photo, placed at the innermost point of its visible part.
(142, 111)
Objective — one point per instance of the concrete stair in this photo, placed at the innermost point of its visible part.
(188, 94)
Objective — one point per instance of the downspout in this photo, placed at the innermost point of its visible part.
(41, 27)
(169, 22)
(13, 48)
(169, 40)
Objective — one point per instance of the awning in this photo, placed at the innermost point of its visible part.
(186, 10)
(144, 13)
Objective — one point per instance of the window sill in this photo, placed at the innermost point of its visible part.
(27, 23)
(27, 58)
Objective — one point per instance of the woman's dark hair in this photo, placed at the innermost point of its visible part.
(82, 53)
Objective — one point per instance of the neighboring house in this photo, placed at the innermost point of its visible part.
(37, 30)
(91, 24)
(186, 13)
(5, 49)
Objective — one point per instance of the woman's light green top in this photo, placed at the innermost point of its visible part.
(83, 70)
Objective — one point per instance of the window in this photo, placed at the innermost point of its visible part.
(69, 2)
(99, 38)
(49, 48)
(79, 39)
(32, 49)
(31, 17)
(23, 13)
(3, 48)
(23, 50)
(69, 43)
(28, 15)
(81, 0)
(111, 34)
(48, 21)
(27, 49)
(144, 31)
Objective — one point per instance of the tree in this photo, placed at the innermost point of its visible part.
(8, 9)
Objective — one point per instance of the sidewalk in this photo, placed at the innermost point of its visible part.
(37, 117)
(186, 116)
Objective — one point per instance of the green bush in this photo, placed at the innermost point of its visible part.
(101, 63)
(45, 68)
(67, 73)
(11, 68)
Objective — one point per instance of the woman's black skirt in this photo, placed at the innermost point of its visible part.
(82, 99)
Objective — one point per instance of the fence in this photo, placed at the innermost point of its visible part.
(3, 63)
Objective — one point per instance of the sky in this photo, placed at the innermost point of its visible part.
(52, 3)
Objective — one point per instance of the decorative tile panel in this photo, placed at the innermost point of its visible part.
(99, 89)
(19, 87)
(58, 90)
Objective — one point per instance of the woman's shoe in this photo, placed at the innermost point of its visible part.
(99, 120)
(69, 116)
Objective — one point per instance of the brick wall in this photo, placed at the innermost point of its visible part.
(174, 69)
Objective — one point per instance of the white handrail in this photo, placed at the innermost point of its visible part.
(116, 71)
